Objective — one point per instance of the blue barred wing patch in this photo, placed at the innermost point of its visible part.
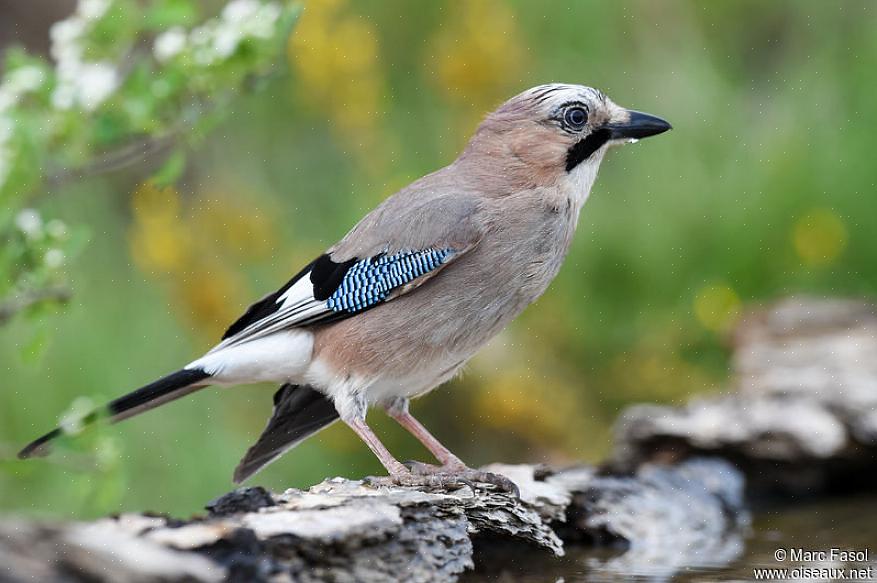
(370, 281)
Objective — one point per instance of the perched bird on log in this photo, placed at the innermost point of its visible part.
(423, 281)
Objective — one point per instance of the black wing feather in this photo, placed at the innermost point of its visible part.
(268, 305)
(326, 275)
(299, 411)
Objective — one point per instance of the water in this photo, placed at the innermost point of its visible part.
(848, 523)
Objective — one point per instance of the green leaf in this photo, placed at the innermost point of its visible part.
(35, 346)
(171, 170)
(115, 32)
(164, 14)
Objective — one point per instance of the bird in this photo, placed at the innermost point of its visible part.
(411, 293)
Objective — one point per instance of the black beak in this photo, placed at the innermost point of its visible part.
(639, 125)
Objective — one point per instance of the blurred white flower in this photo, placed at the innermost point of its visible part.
(56, 228)
(226, 40)
(63, 97)
(81, 83)
(169, 44)
(7, 99)
(240, 20)
(17, 83)
(97, 81)
(84, 84)
(255, 22)
(65, 35)
(7, 127)
(24, 79)
(263, 26)
(30, 223)
(92, 9)
(201, 38)
(240, 10)
(54, 258)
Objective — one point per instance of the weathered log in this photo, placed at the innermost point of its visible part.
(803, 418)
(802, 415)
(343, 530)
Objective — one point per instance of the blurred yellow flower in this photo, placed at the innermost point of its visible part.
(237, 227)
(157, 238)
(478, 54)
(187, 249)
(717, 307)
(210, 295)
(336, 56)
(819, 237)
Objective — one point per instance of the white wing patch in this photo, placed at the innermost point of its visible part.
(280, 357)
(296, 305)
(301, 292)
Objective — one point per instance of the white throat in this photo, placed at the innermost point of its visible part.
(578, 182)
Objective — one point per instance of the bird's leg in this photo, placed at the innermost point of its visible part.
(395, 468)
(452, 471)
(399, 473)
(398, 410)
(352, 407)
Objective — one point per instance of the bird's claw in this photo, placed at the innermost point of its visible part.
(451, 477)
(422, 468)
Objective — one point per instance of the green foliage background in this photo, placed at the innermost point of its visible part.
(765, 187)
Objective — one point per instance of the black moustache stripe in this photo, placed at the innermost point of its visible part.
(583, 149)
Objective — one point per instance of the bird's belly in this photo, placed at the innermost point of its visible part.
(375, 388)
(385, 389)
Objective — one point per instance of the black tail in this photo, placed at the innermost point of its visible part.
(299, 411)
(173, 386)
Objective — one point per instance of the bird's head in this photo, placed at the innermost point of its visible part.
(553, 133)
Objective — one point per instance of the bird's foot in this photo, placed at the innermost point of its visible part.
(435, 481)
(452, 476)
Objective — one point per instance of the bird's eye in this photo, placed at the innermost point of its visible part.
(575, 117)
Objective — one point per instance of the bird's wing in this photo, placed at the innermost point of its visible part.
(299, 411)
(393, 250)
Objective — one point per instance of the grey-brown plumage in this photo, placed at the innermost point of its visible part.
(399, 304)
